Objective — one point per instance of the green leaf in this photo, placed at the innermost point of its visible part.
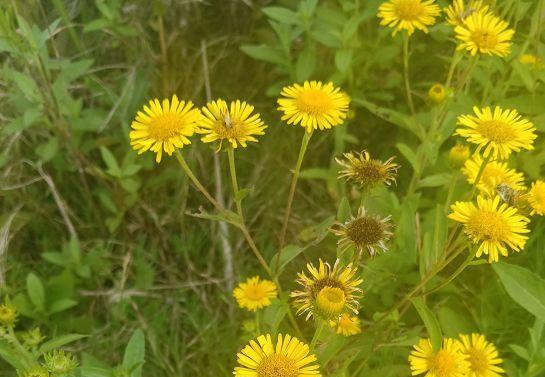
(242, 193)
(35, 291)
(289, 252)
(306, 63)
(135, 353)
(110, 161)
(435, 180)
(59, 341)
(525, 288)
(317, 173)
(408, 153)
(265, 53)
(10, 356)
(430, 321)
(282, 15)
(61, 305)
(343, 59)
(344, 211)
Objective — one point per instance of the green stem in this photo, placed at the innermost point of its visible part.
(317, 333)
(234, 182)
(479, 174)
(452, 186)
(295, 177)
(459, 270)
(406, 73)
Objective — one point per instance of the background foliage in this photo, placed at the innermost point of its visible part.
(97, 241)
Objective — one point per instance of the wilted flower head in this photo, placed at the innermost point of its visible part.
(59, 362)
(360, 169)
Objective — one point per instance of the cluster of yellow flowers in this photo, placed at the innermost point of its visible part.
(469, 356)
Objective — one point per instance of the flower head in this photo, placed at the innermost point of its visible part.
(234, 124)
(437, 93)
(8, 314)
(514, 198)
(346, 325)
(482, 356)
(328, 292)
(484, 33)
(364, 232)
(536, 198)
(32, 338)
(458, 11)
(288, 357)
(255, 293)
(448, 361)
(458, 155)
(366, 172)
(313, 105)
(496, 226)
(497, 133)
(34, 372)
(408, 14)
(531, 60)
(59, 362)
(494, 174)
(164, 127)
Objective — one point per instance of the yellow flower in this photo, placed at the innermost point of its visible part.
(482, 356)
(364, 232)
(8, 314)
(484, 34)
(446, 362)
(255, 293)
(458, 11)
(366, 172)
(234, 124)
(536, 197)
(437, 93)
(346, 325)
(328, 292)
(313, 105)
(494, 174)
(408, 14)
(497, 227)
(289, 357)
(499, 133)
(164, 127)
(59, 362)
(533, 60)
(458, 155)
(32, 338)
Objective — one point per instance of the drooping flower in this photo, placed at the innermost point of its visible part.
(288, 357)
(408, 14)
(59, 362)
(536, 198)
(458, 11)
(497, 133)
(346, 325)
(364, 232)
(495, 226)
(484, 33)
(313, 105)
(437, 93)
(366, 172)
(482, 356)
(235, 124)
(445, 362)
(255, 293)
(494, 174)
(328, 292)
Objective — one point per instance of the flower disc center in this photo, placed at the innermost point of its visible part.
(277, 365)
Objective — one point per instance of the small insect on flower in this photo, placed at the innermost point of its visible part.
(59, 362)
(448, 361)
(494, 174)
(346, 325)
(458, 11)
(364, 232)
(288, 357)
(518, 199)
(496, 226)
(536, 198)
(437, 94)
(313, 105)
(328, 292)
(497, 133)
(458, 155)
(484, 34)
(255, 293)
(235, 124)
(164, 127)
(8, 314)
(366, 172)
(482, 356)
(408, 15)
(34, 372)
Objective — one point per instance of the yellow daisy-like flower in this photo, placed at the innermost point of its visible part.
(255, 293)
(234, 124)
(494, 174)
(289, 357)
(346, 325)
(498, 132)
(328, 292)
(482, 356)
(446, 362)
(313, 105)
(532, 60)
(364, 232)
(536, 198)
(408, 14)
(458, 11)
(366, 172)
(496, 226)
(484, 34)
(164, 127)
